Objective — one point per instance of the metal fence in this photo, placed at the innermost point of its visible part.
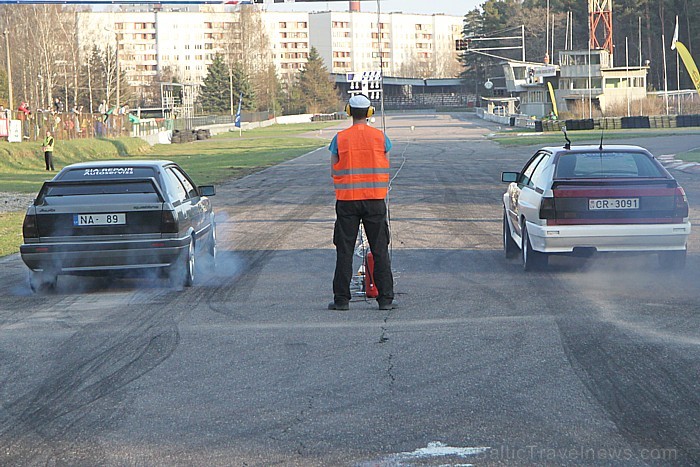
(75, 125)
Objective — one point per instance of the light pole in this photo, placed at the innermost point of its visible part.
(116, 36)
(6, 33)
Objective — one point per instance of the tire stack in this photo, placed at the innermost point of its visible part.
(635, 122)
(185, 136)
(202, 133)
(687, 120)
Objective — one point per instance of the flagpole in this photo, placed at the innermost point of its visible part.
(663, 47)
(678, 71)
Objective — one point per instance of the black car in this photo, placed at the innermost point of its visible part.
(116, 217)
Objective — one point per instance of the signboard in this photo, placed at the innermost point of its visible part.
(15, 135)
(368, 83)
(545, 71)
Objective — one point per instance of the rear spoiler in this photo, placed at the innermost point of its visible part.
(557, 182)
(54, 183)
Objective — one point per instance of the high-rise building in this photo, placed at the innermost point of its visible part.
(183, 43)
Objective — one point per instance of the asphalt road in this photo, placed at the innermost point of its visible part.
(588, 363)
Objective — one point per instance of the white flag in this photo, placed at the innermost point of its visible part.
(675, 36)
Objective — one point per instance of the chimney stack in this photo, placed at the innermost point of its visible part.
(354, 5)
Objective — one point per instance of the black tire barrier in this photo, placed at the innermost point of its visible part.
(538, 126)
(582, 124)
(635, 122)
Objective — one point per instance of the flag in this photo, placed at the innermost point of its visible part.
(237, 120)
(689, 64)
(675, 36)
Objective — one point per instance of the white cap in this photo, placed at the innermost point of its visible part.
(358, 101)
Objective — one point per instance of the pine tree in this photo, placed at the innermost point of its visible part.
(318, 91)
(215, 90)
(242, 86)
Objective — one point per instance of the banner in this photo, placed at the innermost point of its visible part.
(554, 100)
(689, 63)
(237, 120)
(15, 133)
(687, 58)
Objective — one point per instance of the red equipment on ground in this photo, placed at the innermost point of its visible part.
(370, 288)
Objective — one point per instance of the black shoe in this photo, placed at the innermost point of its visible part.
(392, 305)
(339, 306)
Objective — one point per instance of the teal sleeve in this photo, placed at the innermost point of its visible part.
(333, 147)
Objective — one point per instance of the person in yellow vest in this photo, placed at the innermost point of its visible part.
(48, 150)
(360, 169)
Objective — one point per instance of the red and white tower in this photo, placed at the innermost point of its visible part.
(600, 15)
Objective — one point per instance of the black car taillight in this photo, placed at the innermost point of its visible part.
(168, 223)
(680, 208)
(547, 209)
(29, 226)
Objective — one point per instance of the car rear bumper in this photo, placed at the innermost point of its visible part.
(67, 258)
(638, 237)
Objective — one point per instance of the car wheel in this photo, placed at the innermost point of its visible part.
(532, 260)
(42, 281)
(211, 245)
(509, 246)
(182, 273)
(672, 259)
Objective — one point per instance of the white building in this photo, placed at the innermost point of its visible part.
(409, 45)
(185, 42)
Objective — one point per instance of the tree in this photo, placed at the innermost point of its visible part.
(242, 88)
(3, 88)
(318, 91)
(472, 62)
(215, 92)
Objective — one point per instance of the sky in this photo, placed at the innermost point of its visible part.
(448, 7)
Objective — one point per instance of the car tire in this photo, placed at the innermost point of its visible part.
(42, 281)
(510, 248)
(211, 245)
(532, 260)
(672, 260)
(183, 272)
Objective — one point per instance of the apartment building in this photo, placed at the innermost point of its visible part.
(408, 45)
(185, 42)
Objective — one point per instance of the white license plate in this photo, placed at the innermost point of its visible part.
(602, 204)
(99, 219)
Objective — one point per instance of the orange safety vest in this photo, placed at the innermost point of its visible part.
(362, 171)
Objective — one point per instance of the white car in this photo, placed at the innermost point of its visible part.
(587, 199)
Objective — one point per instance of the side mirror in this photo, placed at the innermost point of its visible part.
(207, 190)
(509, 176)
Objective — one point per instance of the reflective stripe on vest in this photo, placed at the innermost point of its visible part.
(362, 171)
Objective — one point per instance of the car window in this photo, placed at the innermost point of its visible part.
(526, 175)
(175, 187)
(99, 189)
(539, 170)
(189, 187)
(607, 164)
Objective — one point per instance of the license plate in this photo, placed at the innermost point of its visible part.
(99, 219)
(602, 204)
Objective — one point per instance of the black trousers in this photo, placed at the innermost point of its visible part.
(372, 213)
(48, 159)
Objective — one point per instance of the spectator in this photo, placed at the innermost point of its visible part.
(48, 150)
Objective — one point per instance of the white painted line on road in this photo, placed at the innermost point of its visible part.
(437, 449)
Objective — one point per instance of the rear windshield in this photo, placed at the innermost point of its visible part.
(104, 173)
(607, 165)
(99, 189)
